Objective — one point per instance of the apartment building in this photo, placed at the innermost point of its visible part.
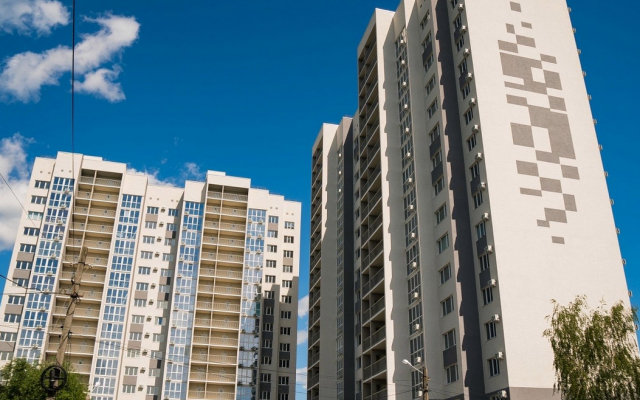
(478, 196)
(188, 293)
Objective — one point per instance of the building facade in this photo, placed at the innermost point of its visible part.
(479, 196)
(187, 293)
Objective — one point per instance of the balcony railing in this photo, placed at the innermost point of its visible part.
(375, 368)
(214, 358)
(314, 338)
(215, 341)
(372, 178)
(198, 394)
(375, 252)
(373, 282)
(374, 309)
(213, 377)
(376, 338)
(100, 181)
(96, 244)
(315, 279)
(98, 212)
(371, 203)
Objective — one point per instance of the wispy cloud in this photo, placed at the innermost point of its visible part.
(303, 335)
(191, 171)
(27, 16)
(303, 306)
(26, 73)
(153, 177)
(301, 377)
(15, 168)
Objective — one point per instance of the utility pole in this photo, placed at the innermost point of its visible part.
(425, 383)
(55, 375)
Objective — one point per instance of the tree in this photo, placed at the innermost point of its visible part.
(595, 351)
(21, 381)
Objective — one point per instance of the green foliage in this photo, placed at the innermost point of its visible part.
(21, 381)
(595, 351)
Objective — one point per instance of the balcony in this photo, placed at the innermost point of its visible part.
(214, 359)
(224, 226)
(100, 181)
(213, 377)
(315, 242)
(313, 338)
(230, 257)
(315, 318)
(381, 395)
(81, 368)
(227, 211)
(95, 228)
(313, 381)
(97, 196)
(374, 310)
(314, 279)
(74, 348)
(90, 244)
(76, 330)
(372, 178)
(215, 341)
(314, 360)
(371, 204)
(223, 241)
(197, 394)
(313, 298)
(373, 254)
(217, 306)
(91, 260)
(86, 277)
(221, 273)
(96, 212)
(376, 338)
(216, 323)
(376, 368)
(373, 282)
(373, 227)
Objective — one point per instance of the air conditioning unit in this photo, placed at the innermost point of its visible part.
(186, 213)
(35, 346)
(172, 343)
(478, 157)
(174, 325)
(502, 394)
(407, 130)
(402, 62)
(485, 216)
(63, 206)
(150, 302)
(249, 235)
(49, 273)
(411, 206)
(157, 254)
(408, 155)
(146, 335)
(475, 128)
(406, 107)
(630, 293)
(259, 236)
(177, 291)
(419, 393)
(469, 76)
(482, 186)
(38, 327)
(416, 295)
(499, 355)
(184, 228)
(175, 308)
(153, 286)
(463, 28)
(144, 352)
(466, 52)
(460, 7)
(492, 283)
(181, 258)
(409, 180)
(43, 309)
(404, 83)
(59, 221)
(495, 318)
(488, 249)
(414, 264)
(418, 360)
(413, 235)
(618, 231)
(258, 251)
(140, 387)
(161, 223)
(624, 261)
(142, 370)
(66, 191)
(416, 327)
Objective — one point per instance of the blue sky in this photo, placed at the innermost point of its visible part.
(242, 87)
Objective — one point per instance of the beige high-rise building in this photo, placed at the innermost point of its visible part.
(190, 293)
(478, 197)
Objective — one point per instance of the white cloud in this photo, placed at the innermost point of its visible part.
(301, 377)
(24, 74)
(152, 177)
(15, 169)
(303, 335)
(303, 306)
(101, 84)
(25, 16)
(191, 170)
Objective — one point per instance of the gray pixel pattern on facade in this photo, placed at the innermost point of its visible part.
(553, 119)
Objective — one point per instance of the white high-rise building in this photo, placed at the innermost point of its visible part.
(478, 197)
(190, 293)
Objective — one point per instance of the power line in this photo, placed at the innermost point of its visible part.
(19, 202)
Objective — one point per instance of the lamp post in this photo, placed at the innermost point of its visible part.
(425, 379)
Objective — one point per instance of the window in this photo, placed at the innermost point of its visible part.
(484, 262)
(288, 239)
(462, 67)
(137, 319)
(162, 304)
(31, 231)
(285, 314)
(169, 242)
(266, 360)
(166, 272)
(287, 284)
(273, 219)
(425, 20)
(452, 373)
(8, 336)
(441, 213)
(144, 270)
(287, 299)
(155, 372)
(172, 212)
(156, 354)
(475, 170)
(21, 282)
(477, 199)
(267, 327)
(165, 289)
(284, 396)
(287, 268)
(494, 366)
(432, 108)
(12, 318)
(271, 263)
(152, 210)
(42, 185)
(131, 371)
(270, 278)
(272, 248)
(269, 294)
(28, 248)
(454, 3)
(35, 216)
(158, 337)
(472, 141)
(272, 234)
(289, 225)
(466, 90)
(24, 265)
(264, 395)
(431, 84)
(153, 390)
(18, 300)
(167, 257)
(443, 243)
(436, 160)
(481, 230)
(142, 286)
(284, 364)
(283, 380)
(438, 186)
(449, 339)
(265, 378)
(139, 302)
(468, 116)
(445, 273)
(172, 227)
(460, 43)
(267, 343)
(288, 254)
(148, 239)
(447, 305)
(285, 331)
(133, 353)
(150, 224)
(490, 328)
(487, 295)
(128, 389)
(161, 321)
(147, 255)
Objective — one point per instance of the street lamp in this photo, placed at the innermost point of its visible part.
(425, 380)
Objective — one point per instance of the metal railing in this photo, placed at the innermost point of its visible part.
(100, 181)
(92, 227)
(373, 282)
(375, 252)
(372, 178)
(373, 310)
(197, 394)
